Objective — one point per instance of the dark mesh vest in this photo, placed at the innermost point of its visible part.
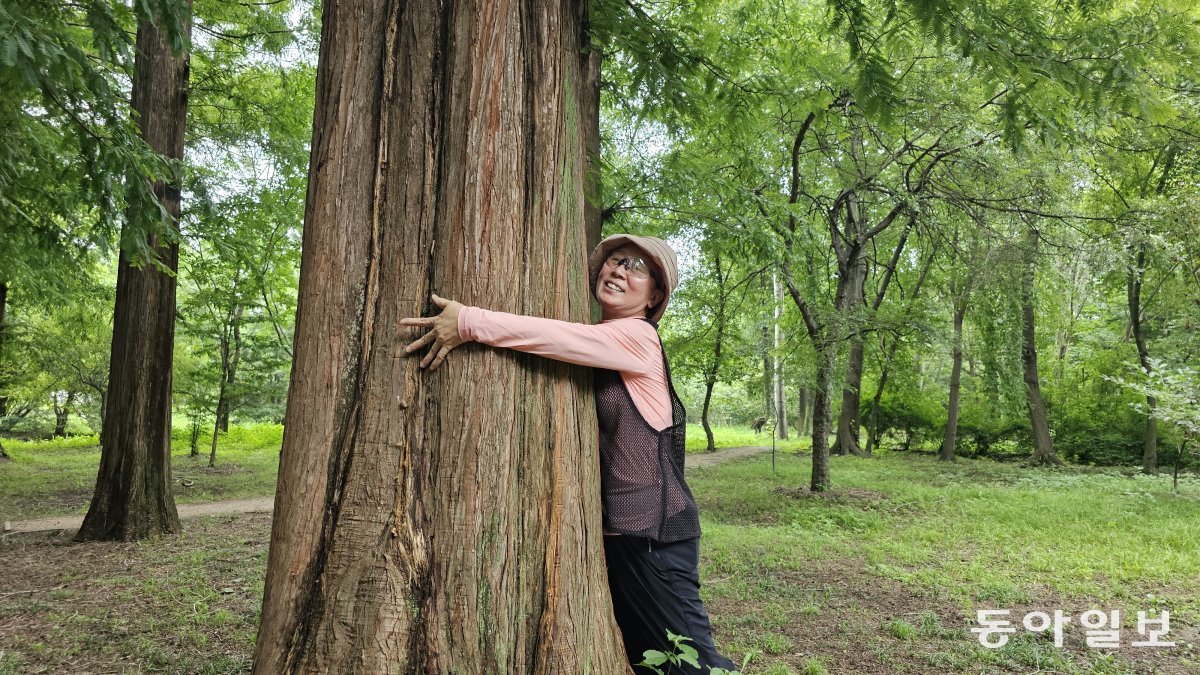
(641, 468)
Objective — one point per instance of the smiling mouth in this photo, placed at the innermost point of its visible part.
(613, 287)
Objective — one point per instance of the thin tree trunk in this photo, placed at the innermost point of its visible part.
(802, 409)
(221, 401)
(822, 417)
(231, 353)
(873, 418)
(1043, 446)
(3, 373)
(61, 413)
(708, 432)
(456, 522)
(233, 358)
(768, 390)
(781, 423)
(1134, 295)
(710, 379)
(951, 438)
(133, 496)
(852, 268)
(194, 444)
(846, 441)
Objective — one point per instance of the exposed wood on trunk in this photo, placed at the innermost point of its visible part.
(1043, 446)
(449, 521)
(133, 496)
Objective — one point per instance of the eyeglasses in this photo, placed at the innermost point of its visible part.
(636, 267)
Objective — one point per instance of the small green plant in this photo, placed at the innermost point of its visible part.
(655, 660)
(901, 629)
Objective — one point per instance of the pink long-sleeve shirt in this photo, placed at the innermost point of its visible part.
(630, 346)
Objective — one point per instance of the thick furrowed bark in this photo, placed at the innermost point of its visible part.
(448, 521)
(133, 499)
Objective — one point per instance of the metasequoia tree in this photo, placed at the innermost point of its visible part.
(133, 496)
(449, 521)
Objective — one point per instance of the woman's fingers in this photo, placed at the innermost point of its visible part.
(439, 301)
(430, 355)
(425, 339)
(441, 356)
(417, 321)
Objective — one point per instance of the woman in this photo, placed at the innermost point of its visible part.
(651, 526)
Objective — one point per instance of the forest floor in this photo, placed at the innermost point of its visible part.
(883, 574)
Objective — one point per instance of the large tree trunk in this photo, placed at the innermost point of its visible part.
(950, 440)
(589, 106)
(1043, 446)
(443, 522)
(133, 487)
(1134, 296)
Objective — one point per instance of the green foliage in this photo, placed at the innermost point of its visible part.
(918, 417)
(681, 654)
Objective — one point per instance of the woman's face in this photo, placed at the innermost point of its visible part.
(624, 293)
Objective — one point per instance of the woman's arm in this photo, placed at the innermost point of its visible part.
(629, 345)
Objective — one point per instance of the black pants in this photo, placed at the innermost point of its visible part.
(655, 588)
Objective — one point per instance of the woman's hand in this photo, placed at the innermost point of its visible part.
(443, 333)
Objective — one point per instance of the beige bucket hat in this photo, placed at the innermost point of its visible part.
(657, 250)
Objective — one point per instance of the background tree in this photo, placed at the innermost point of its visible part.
(133, 488)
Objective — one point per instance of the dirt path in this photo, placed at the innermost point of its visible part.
(266, 504)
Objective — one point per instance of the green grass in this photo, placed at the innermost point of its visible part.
(968, 535)
(734, 437)
(1081, 531)
(57, 477)
(881, 574)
